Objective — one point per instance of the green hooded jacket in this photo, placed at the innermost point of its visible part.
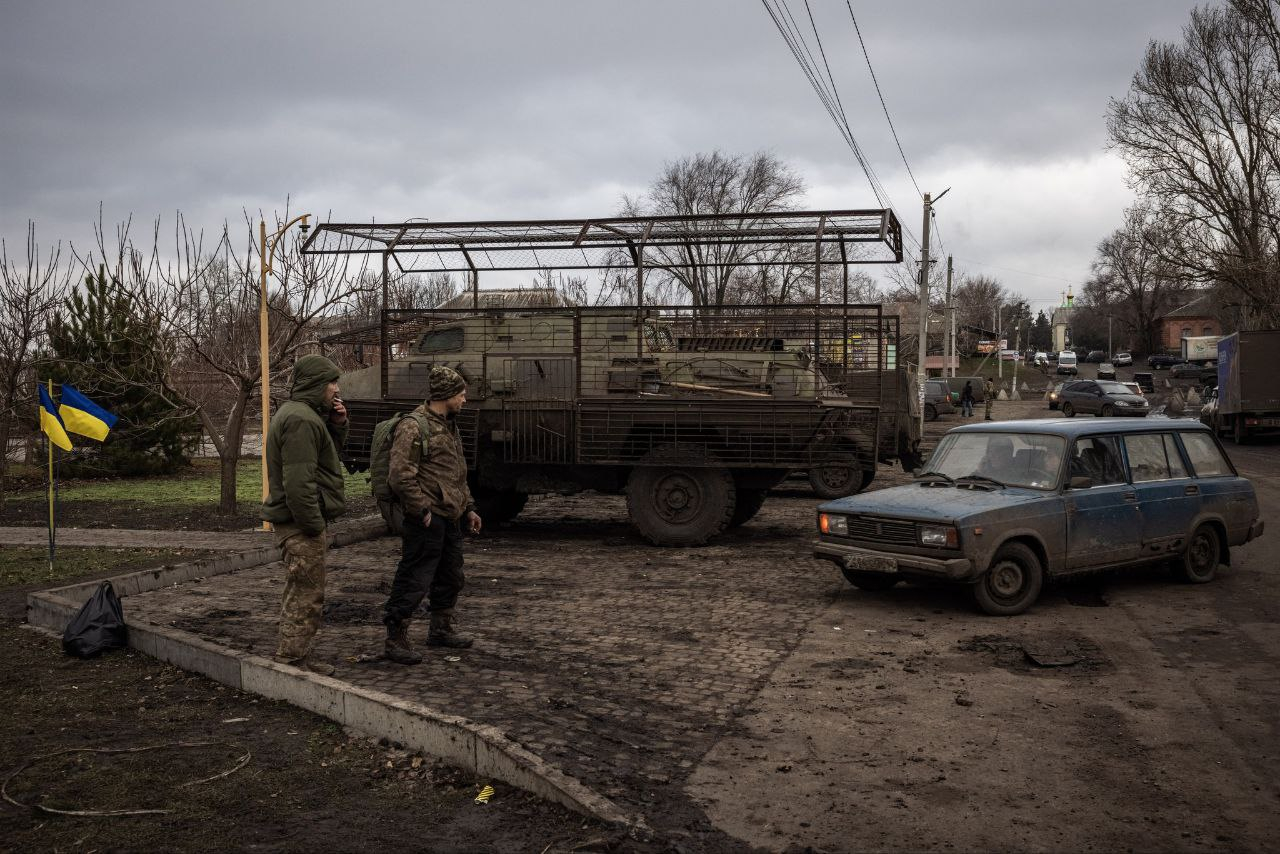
(304, 474)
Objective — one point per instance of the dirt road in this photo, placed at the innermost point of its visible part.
(904, 721)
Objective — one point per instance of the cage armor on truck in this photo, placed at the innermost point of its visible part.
(693, 428)
(692, 412)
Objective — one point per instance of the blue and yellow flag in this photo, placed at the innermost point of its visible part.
(81, 415)
(51, 424)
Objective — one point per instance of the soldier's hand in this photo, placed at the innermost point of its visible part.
(338, 414)
(426, 519)
(473, 522)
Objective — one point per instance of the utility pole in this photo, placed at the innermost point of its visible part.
(1109, 351)
(923, 349)
(949, 330)
(999, 349)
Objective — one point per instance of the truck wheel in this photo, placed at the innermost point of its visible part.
(930, 412)
(1200, 560)
(1239, 432)
(747, 505)
(1068, 410)
(836, 481)
(501, 505)
(674, 504)
(870, 581)
(1012, 583)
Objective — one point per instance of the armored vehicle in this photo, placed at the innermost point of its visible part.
(692, 412)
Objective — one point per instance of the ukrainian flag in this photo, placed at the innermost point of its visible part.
(81, 415)
(51, 424)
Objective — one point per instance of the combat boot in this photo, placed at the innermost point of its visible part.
(441, 632)
(397, 647)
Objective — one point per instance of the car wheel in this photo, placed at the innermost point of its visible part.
(1200, 560)
(870, 581)
(1107, 411)
(1239, 432)
(1012, 583)
(1068, 410)
(673, 503)
(930, 412)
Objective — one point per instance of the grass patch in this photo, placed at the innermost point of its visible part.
(199, 485)
(24, 565)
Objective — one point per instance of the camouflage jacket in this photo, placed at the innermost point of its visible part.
(432, 478)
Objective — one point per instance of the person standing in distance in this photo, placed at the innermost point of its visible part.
(989, 392)
(966, 400)
(430, 481)
(305, 493)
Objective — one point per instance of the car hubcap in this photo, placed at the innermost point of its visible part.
(1005, 580)
(1201, 554)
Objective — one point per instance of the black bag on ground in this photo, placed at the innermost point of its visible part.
(98, 625)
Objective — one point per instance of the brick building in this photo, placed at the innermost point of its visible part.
(1189, 321)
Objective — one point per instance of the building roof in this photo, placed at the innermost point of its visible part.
(1201, 306)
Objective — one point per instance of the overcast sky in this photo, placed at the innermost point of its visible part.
(505, 110)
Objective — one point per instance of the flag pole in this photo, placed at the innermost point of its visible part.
(48, 440)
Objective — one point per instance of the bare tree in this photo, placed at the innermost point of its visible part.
(1200, 131)
(1132, 281)
(30, 288)
(207, 303)
(714, 183)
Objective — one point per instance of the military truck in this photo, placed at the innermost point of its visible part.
(692, 412)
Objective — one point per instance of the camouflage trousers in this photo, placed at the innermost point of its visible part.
(303, 602)
(988, 402)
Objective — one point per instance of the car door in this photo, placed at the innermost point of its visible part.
(1084, 396)
(1104, 520)
(1222, 493)
(1168, 495)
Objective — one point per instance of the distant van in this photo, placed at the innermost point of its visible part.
(1067, 363)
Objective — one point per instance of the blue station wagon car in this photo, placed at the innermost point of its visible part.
(1001, 506)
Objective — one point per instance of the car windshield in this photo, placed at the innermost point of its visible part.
(1027, 460)
(1113, 388)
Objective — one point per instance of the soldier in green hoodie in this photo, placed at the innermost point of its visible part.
(305, 493)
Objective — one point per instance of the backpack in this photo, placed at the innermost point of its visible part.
(380, 453)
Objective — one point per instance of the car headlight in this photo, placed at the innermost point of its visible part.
(831, 523)
(1123, 403)
(939, 535)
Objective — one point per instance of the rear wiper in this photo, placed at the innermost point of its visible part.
(934, 475)
(983, 477)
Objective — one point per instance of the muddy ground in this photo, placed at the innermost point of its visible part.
(1123, 712)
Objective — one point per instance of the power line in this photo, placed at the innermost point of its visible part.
(880, 94)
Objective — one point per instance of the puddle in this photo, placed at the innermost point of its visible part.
(1059, 654)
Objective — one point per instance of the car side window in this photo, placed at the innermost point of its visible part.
(1154, 456)
(1206, 458)
(1097, 458)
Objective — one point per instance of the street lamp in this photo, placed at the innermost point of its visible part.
(268, 252)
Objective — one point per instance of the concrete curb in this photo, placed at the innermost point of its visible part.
(483, 750)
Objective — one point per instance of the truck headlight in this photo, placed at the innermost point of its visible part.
(831, 523)
(939, 535)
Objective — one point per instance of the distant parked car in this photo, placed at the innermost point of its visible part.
(937, 400)
(1095, 356)
(1003, 507)
(1101, 397)
(1053, 357)
(1122, 360)
(1106, 371)
(1055, 396)
(1195, 371)
(1040, 359)
(1134, 387)
(1145, 381)
(1156, 361)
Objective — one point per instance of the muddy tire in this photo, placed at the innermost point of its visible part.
(1068, 410)
(930, 412)
(838, 481)
(675, 504)
(501, 505)
(1200, 561)
(872, 582)
(746, 506)
(1239, 432)
(1012, 583)
(1107, 411)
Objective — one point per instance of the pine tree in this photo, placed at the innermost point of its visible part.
(110, 349)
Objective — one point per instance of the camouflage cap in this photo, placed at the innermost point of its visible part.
(445, 383)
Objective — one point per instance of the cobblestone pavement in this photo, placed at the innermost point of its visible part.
(618, 662)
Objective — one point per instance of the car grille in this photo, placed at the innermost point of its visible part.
(882, 530)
